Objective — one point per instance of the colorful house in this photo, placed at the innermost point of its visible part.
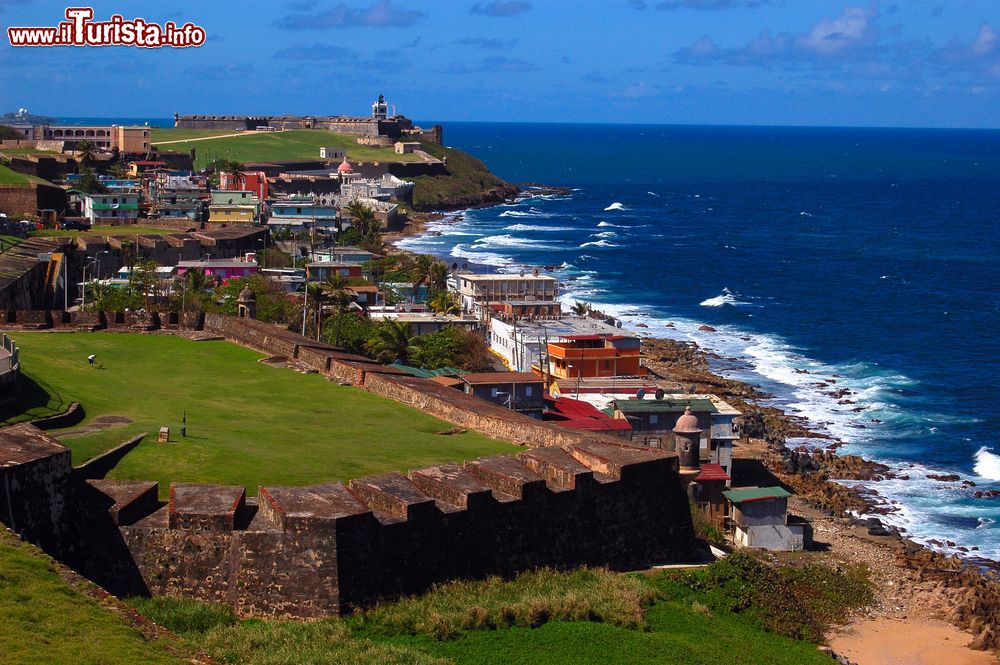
(120, 207)
(577, 414)
(233, 207)
(222, 269)
(584, 356)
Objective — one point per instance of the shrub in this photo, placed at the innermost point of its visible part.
(798, 602)
(529, 600)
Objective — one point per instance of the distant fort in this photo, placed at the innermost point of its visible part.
(378, 124)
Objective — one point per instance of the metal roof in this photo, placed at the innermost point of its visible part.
(756, 494)
(667, 404)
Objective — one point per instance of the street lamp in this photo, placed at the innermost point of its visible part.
(83, 286)
(263, 252)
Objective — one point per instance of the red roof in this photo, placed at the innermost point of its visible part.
(582, 415)
(711, 472)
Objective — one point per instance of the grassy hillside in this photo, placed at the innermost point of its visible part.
(248, 424)
(469, 182)
(539, 618)
(264, 146)
(11, 177)
(46, 619)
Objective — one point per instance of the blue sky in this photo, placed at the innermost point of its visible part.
(799, 62)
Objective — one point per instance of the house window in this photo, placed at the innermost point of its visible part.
(528, 391)
(653, 419)
(493, 392)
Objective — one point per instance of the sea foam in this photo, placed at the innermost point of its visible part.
(615, 206)
(987, 464)
(724, 298)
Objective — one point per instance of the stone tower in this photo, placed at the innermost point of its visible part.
(246, 304)
(380, 110)
(687, 441)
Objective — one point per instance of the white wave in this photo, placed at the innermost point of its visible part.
(507, 240)
(615, 206)
(531, 212)
(599, 243)
(529, 227)
(604, 234)
(725, 298)
(653, 194)
(806, 214)
(617, 226)
(482, 258)
(987, 464)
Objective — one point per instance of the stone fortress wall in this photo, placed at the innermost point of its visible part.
(569, 499)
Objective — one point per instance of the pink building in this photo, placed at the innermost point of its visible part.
(222, 269)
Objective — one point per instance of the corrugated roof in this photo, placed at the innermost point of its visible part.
(501, 377)
(712, 472)
(756, 494)
(666, 404)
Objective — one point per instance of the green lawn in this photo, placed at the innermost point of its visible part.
(248, 424)
(10, 177)
(264, 146)
(106, 230)
(44, 619)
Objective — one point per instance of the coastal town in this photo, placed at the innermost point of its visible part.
(567, 439)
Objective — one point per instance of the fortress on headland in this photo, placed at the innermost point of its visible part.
(379, 124)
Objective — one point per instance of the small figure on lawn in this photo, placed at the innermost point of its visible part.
(91, 358)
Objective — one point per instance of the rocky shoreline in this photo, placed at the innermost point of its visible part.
(964, 592)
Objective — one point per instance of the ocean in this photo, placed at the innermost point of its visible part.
(824, 258)
(851, 273)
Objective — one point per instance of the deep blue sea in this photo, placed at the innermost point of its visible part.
(868, 258)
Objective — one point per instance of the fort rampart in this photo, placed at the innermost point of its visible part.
(324, 549)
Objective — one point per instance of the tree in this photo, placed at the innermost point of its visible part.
(391, 342)
(364, 221)
(8, 133)
(581, 308)
(421, 267)
(316, 297)
(453, 346)
(446, 303)
(89, 183)
(86, 150)
(272, 305)
(438, 280)
(194, 288)
(348, 331)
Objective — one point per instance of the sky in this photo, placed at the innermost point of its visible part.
(912, 63)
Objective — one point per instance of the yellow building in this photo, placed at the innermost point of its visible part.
(233, 207)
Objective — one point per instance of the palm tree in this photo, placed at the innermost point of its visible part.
(316, 296)
(362, 217)
(335, 285)
(233, 168)
(86, 150)
(445, 303)
(194, 286)
(438, 280)
(421, 269)
(581, 308)
(391, 342)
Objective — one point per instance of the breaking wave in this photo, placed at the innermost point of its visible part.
(529, 227)
(724, 298)
(599, 243)
(987, 464)
(615, 206)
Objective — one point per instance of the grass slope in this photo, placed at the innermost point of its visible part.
(468, 178)
(248, 424)
(44, 619)
(288, 145)
(10, 177)
(542, 617)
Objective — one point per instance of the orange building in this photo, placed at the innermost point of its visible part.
(594, 356)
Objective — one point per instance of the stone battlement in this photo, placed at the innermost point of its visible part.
(324, 549)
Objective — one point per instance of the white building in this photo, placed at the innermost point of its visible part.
(522, 343)
(477, 292)
(112, 208)
(353, 186)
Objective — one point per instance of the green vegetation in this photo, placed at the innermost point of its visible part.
(800, 602)
(10, 177)
(248, 424)
(264, 146)
(542, 617)
(468, 178)
(46, 619)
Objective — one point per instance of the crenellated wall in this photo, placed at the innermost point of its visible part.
(325, 549)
